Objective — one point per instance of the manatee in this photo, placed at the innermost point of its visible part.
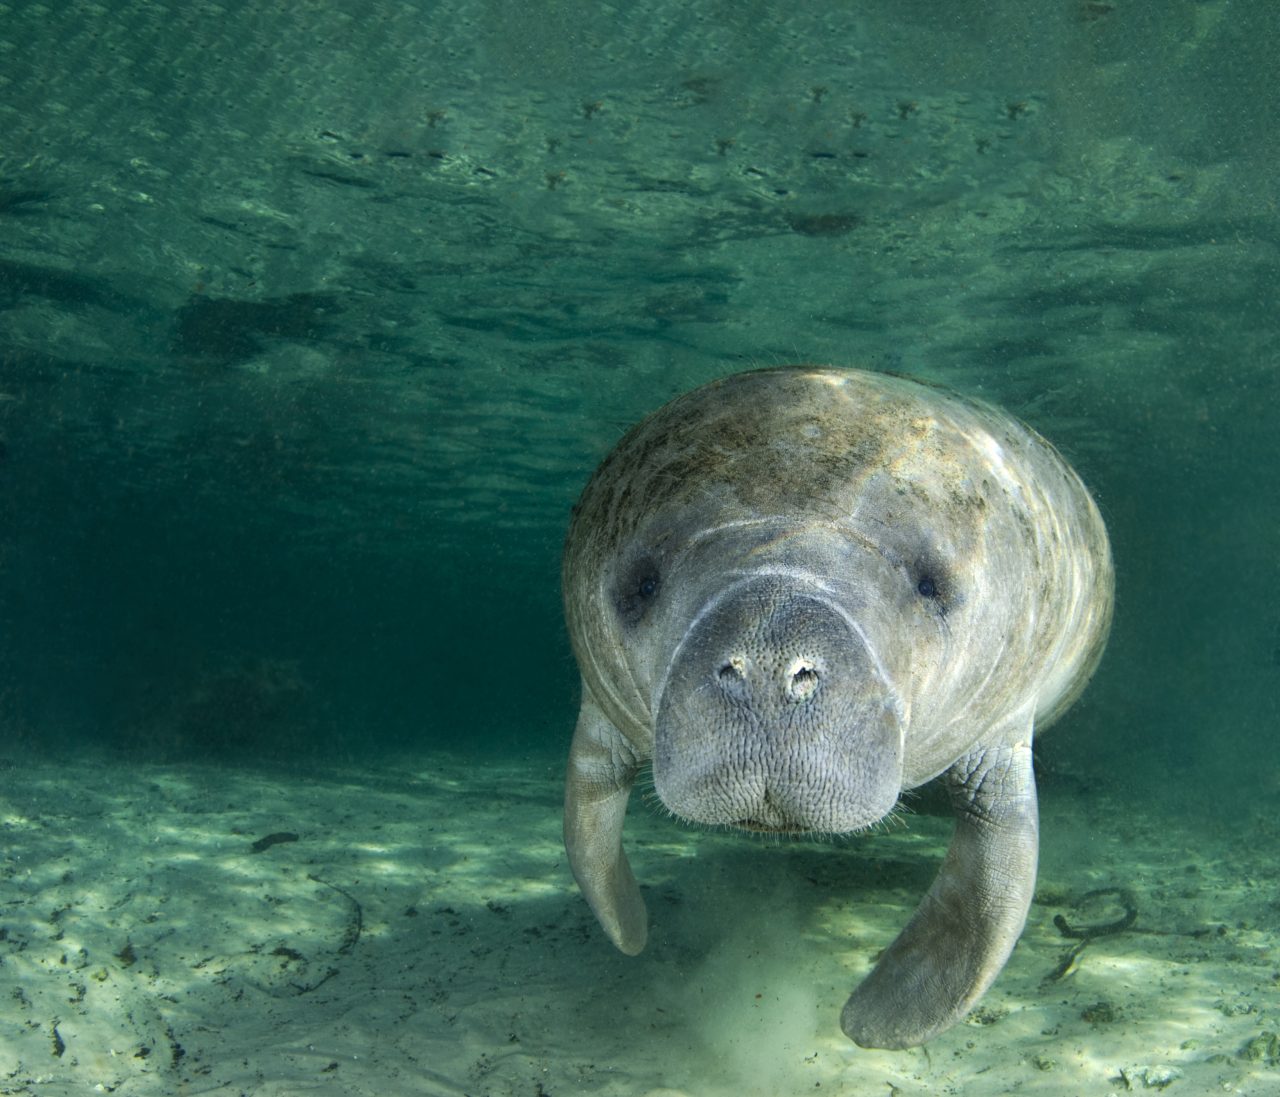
(798, 593)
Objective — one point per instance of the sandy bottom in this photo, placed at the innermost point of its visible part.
(414, 930)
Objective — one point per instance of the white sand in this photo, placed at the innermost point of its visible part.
(422, 936)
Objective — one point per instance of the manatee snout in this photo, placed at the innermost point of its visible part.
(776, 716)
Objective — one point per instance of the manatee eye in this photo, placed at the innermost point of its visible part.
(935, 582)
(636, 590)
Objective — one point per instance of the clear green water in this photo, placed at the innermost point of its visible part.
(314, 318)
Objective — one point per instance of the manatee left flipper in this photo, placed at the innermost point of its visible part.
(965, 927)
(602, 769)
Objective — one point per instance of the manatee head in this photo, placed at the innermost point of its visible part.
(763, 585)
(775, 658)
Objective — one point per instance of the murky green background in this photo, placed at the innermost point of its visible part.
(316, 316)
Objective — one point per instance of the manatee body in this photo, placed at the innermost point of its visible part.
(798, 592)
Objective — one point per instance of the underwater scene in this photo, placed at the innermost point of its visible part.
(923, 634)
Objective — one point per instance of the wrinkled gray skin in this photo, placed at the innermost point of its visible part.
(799, 592)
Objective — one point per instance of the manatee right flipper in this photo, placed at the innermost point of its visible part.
(965, 927)
(602, 769)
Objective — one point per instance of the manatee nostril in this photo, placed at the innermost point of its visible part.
(732, 676)
(803, 681)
